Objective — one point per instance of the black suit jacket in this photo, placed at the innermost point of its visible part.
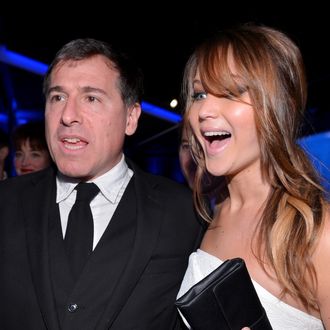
(167, 231)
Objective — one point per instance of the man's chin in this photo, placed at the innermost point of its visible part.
(74, 170)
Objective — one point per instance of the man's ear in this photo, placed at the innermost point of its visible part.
(133, 115)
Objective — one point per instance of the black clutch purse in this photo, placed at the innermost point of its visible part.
(224, 300)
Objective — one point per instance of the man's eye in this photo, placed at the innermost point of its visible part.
(56, 98)
(91, 99)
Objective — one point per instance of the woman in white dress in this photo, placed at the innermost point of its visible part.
(245, 93)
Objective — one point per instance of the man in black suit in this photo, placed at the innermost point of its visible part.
(144, 226)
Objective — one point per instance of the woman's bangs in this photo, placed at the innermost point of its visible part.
(216, 74)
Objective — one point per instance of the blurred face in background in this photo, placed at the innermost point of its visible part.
(28, 159)
(188, 165)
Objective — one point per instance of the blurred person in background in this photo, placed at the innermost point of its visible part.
(31, 151)
(187, 163)
(4, 151)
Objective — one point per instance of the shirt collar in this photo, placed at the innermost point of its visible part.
(109, 183)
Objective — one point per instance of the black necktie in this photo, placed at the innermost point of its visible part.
(80, 229)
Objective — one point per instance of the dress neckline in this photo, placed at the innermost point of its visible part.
(259, 287)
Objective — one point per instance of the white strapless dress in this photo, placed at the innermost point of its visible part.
(281, 315)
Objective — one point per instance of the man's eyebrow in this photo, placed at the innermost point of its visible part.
(88, 89)
(55, 89)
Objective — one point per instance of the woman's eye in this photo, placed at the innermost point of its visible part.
(36, 154)
(18, 154)
(240, 91)
(229, 95)
(199, 96)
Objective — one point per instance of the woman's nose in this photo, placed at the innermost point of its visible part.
(25, 160)
(208, 108)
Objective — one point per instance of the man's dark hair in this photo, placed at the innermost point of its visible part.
(130, 75)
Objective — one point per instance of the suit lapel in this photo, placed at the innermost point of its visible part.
(148, 209)
(36, 203)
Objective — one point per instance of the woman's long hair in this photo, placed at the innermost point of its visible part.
(270, 67)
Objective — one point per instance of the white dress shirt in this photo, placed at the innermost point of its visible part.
(112, 186)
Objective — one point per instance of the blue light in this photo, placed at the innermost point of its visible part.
(161, 113)
(21, 61)
(28, 115)
(3, 118)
